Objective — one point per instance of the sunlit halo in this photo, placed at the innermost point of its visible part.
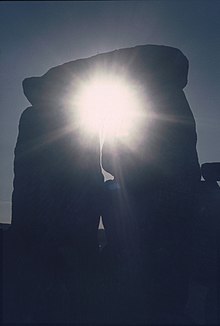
(108, 105)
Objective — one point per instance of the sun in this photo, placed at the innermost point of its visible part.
(108, 105)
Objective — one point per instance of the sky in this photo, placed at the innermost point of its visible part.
(36, 36)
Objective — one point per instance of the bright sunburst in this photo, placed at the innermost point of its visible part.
(108, 105)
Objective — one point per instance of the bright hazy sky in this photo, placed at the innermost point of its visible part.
(36, 36)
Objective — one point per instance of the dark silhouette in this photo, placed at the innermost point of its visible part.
(158, 180)
(51, 251)
(206, 238)
(148, 209)
(211, 172)
(120, 260)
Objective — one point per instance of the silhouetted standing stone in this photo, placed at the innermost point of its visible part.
(52, 244)
(159, 174)
(207, 245)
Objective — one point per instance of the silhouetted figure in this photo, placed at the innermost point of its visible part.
(158, 177)
(207, 244)
(51, 251)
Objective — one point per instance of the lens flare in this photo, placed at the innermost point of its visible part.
(108, 105)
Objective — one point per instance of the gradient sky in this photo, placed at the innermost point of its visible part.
(36, 36)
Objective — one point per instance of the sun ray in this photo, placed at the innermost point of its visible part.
(109, 105)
